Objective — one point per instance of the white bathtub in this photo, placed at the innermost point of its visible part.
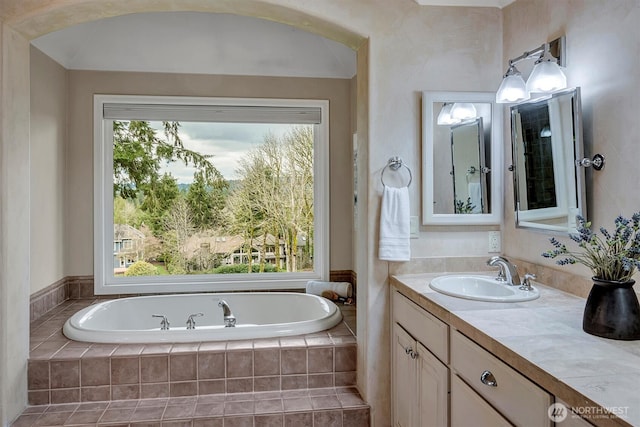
(258, 314)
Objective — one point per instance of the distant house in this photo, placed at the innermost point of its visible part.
(128, 246)
(229, 250)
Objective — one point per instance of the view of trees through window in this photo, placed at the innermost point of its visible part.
(188, 198)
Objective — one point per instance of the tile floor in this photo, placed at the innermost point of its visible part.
(323, 407)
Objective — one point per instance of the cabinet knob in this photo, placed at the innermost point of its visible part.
(488, 379)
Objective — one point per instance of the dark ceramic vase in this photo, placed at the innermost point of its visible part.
(612, 310)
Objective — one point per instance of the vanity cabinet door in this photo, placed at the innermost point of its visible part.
(469, 409)
(433, 390)
(404, 378)
(420, 384)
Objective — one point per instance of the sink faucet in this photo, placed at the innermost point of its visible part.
(229, 318)
(508, 272)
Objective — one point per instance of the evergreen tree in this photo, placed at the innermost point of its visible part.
(206, 201)
(159, 198)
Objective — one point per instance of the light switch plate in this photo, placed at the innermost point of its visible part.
(414, 229)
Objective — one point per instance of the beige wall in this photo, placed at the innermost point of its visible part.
(603, 51)
(48, 148)
(14, 222)
(84, 84)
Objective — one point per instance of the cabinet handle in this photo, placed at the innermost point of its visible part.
(487, 378)
(409, 351)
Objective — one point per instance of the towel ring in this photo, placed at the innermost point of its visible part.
(394, 164)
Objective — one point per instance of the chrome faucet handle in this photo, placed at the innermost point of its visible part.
(526, 284)
(191, 323)
(229, 321)
(164, 323)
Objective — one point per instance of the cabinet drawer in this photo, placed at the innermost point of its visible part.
(517, 398)
(424, 327)
(572, 419)
(469, 409)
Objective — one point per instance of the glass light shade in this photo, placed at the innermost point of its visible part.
(546, 77)
(512, 89)
(463, 111)
(444, 118)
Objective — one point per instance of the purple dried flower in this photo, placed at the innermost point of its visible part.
(616, 257)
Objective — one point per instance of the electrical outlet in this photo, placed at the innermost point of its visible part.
(414, 229)
(494, 241)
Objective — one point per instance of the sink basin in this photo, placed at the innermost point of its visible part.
(481, 288)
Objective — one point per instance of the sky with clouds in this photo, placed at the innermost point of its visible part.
(226, 142)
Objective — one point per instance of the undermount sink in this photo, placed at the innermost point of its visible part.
(481, 288)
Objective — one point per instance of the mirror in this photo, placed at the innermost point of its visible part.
(546, 136)
(462, 158)
(468, 168)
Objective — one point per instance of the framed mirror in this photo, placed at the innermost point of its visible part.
(462, 158)
(546, 140)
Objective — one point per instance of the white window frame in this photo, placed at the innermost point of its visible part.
(104, 280)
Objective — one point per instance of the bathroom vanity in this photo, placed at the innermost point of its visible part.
(460, 362)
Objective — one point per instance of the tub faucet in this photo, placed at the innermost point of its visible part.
(191, 322)
(229, 318)
(164, 323)
(508, 272)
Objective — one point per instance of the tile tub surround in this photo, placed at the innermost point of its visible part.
(64, 371)
(543, 339)
(48, 298)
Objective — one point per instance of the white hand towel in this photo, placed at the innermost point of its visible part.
(475, 194)
(394, 225)
(316, 287)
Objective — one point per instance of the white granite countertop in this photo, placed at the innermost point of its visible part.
(544, 340)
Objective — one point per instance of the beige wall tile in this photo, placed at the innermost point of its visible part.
(125, 370)
(239, 364)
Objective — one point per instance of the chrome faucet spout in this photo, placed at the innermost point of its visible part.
(508, 272)
(229, 318)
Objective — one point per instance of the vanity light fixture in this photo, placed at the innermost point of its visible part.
(453, 113)
(444, 118)
(513, 88)
(462, 111)
(546, 76)
(545, 132)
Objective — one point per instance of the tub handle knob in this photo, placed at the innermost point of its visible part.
(191, 323)
(164, 323)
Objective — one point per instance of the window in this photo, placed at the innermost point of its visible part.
(209, 194)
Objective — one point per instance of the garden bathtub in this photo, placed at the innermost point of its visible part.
(258, 314)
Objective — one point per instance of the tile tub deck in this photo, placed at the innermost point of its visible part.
(290, 378)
